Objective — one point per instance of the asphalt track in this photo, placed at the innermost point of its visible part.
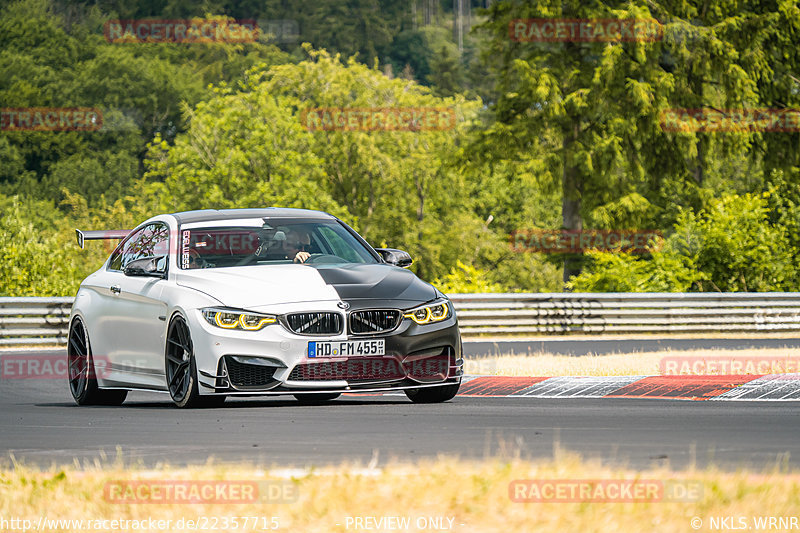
(39, 424)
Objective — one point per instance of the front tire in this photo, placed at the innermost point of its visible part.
(433, 394)
(181, 369)
(82, 374)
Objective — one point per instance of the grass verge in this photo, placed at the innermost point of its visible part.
(627, 364)
(444, 494)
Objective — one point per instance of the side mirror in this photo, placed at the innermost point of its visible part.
(395, 257)
(147, 267)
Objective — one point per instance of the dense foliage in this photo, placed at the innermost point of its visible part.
(547, 135)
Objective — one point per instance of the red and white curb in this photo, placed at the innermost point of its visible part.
(735, 387)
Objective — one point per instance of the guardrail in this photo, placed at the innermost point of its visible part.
(620, 313)
(45, 320)
(34, 320)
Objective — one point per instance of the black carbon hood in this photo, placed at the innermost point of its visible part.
(376, 282)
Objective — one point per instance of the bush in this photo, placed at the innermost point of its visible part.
(32, 262)
(729, 246)
(465, 278)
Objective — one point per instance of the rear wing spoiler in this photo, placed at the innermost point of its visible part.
(103, 234)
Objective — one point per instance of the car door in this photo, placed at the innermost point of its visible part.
(136, 320)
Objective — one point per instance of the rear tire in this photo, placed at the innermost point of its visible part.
(315, 398)
(82, 376)
(433, 394)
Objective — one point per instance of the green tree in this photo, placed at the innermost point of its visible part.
(250, 147)
(729, 246)
(138, 88)
(464, 278)
(363, 27)
(33, 259)
(242, 150)
(596, 107)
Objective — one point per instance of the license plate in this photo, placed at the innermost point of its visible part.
(346, 348)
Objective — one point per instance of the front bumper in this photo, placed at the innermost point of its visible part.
(274, 360)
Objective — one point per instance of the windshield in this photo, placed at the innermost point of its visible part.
(273, 243)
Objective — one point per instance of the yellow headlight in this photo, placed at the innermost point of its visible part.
(431, 313)
(231, 319)
(438, 312)
(253, 323)
(226, 320)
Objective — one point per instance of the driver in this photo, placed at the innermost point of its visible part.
(296, 244)
(195, 261)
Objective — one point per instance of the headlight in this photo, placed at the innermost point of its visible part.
(429, 313)
(235, 319)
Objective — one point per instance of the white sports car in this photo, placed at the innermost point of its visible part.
(215, 303)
